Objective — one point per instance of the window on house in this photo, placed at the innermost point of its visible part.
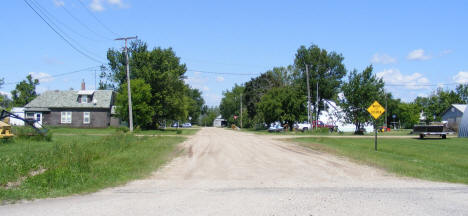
(29, 115)
(84, 98)
(66, 117)
(86, 117)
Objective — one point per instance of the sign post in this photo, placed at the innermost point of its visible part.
(376, 110)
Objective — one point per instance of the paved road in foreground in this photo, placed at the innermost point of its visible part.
(232, 173)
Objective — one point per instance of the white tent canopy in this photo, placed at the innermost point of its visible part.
(334, 115)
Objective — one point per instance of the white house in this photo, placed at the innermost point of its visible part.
(19, 111)
(334, 115)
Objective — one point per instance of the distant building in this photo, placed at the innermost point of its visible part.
(463, 128)
(219, 122)
(453, 116)
(83, 108)
(19, 111)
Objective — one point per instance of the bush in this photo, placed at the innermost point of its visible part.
(123, 129)
(32, 134)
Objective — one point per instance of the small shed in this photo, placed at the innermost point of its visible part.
(219, 122)
(19, 111)
(453, 116)
(463, 128)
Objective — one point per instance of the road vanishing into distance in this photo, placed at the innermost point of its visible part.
(225, 172)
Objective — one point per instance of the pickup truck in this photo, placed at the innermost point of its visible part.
(306, 126)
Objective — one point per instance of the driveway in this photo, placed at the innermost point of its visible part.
(225, 172)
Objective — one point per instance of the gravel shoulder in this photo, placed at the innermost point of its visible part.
(224, 172)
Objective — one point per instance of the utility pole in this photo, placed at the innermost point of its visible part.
(386, 122)
(316, 105)
(241, 110)
(308, 97)
(130, 113)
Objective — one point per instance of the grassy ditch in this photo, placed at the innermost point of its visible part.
(110, 131)
(431, 159)
(77, 164)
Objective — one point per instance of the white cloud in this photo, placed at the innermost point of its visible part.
(418, 54)
(382, 59)
(219, 79)
(8, 94)
(395, 77)
(59, 3)
(98, 5)
(461, 77)
(42, 77)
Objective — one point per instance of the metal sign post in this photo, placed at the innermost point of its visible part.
(376, 110)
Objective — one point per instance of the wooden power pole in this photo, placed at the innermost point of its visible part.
(130, 112)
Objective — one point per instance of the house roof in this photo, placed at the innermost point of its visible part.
(460, 107)
(69, 99)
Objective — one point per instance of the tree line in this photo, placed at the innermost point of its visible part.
(280, 94)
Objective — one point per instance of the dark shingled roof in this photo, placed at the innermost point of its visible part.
(69, 99)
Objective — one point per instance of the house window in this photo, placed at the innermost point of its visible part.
(84, 98)
(86, 117)
(29, 115)
(66, 117)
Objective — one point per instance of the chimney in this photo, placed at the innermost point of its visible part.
(83, 86)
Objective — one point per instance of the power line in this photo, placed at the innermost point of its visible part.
(62, 37)
(51, 19)
(83, 24)
(62, 74)
(99, 21)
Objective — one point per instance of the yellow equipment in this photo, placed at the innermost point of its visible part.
(5, 130)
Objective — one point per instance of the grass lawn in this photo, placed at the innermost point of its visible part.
(431, 159)
(109, 131)
(78, 164)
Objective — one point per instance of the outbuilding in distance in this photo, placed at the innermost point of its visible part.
(453, 116)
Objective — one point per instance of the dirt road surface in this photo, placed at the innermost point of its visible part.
(226, 172)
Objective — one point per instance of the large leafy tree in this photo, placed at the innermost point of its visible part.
(437, 103)
(162, 70)
(25, 91)
(141, 100)
(196, 103)
(462, 91)
(282, 104)
(209, 115)
(325, 68)
(258, 86)
(361, 90)
(230, 105)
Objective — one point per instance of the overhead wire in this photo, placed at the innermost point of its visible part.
(83, 24)
(59, 31)
(93, 68)
(99, 21)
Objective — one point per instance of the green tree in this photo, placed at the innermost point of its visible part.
(361, 90)
(462, 91)
(195, 105)
(209, 115)
(25, 91)
(282, 104)
(230, 105)
(408, 114)
(141, 100)
(324, 67)
(437, 103)
(159, 68)
(258, 86)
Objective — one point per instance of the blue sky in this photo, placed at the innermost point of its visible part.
(414, 45)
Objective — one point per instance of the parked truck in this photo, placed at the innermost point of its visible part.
(319, 124)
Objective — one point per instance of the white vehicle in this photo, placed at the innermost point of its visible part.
(303, 126)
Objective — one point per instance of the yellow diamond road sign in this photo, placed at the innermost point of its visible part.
(376, 110)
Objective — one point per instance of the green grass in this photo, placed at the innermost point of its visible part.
(431, 159)
(399, 132)
(79, 164)
(110, 131)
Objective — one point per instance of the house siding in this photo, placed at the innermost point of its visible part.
(453, 118)
(100, 118)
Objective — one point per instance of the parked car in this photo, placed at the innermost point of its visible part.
(319, 124)
(175, 125)
(275, 128)
(187, 125)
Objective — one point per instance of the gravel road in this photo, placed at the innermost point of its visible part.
(224, 172)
